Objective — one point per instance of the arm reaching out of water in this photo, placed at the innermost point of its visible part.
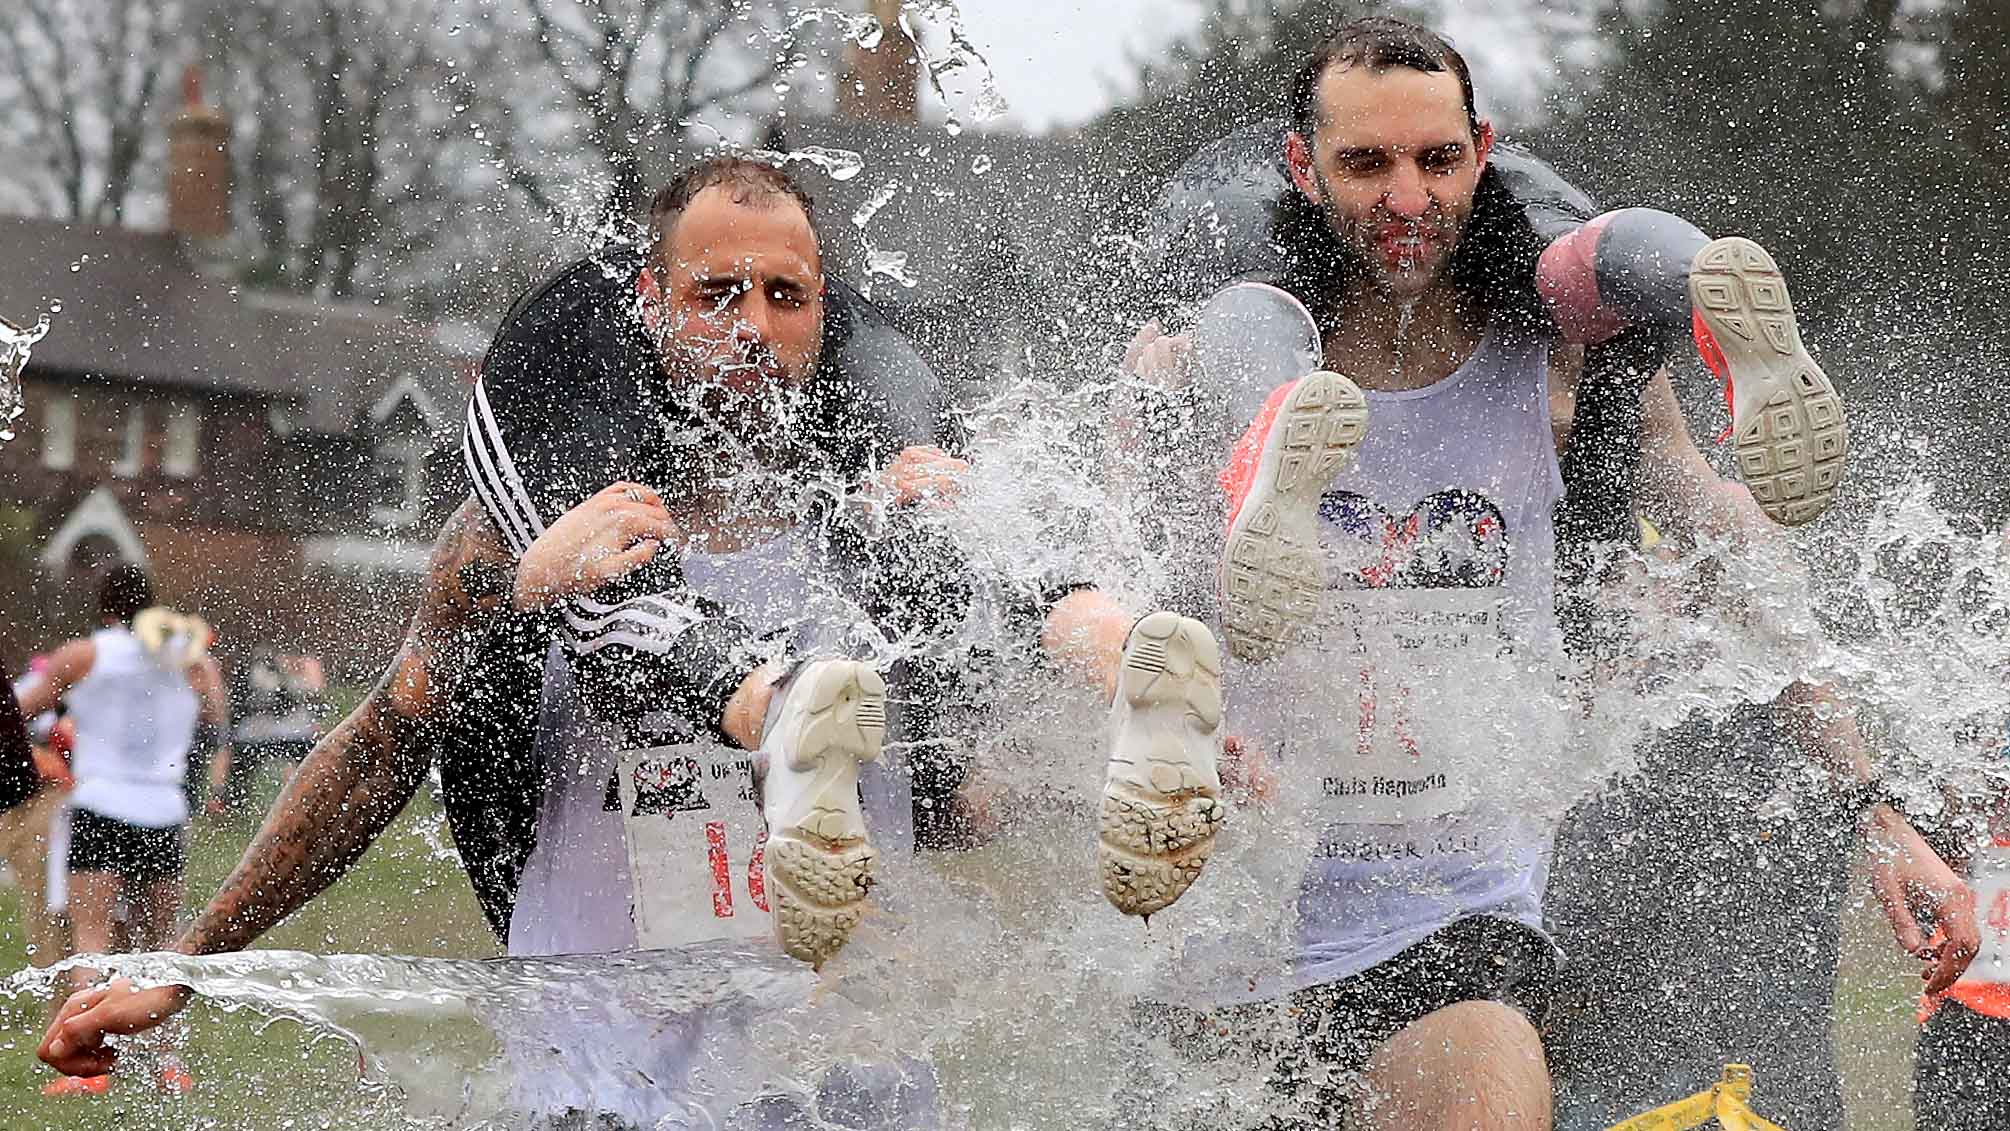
(345, 793)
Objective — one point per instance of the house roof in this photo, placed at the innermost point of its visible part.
(132, 306)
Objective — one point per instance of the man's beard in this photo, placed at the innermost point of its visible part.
(1360, 256)
(715, 430)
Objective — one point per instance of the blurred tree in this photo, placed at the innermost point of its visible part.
(582, 90)
(80, 89)
(336, 108)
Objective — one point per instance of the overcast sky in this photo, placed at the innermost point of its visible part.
(1060, 62)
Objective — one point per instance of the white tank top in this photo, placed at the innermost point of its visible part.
(1435, 657)
(660, 845)
(135, 720)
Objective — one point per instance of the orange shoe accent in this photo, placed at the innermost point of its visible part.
(1713, 358)
(1789, 437)
(1240, 474)
(78, 1086)
(176, 1079)
(1272, 572)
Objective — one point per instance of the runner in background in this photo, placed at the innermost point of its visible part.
(1962, 1078)
(135, 689)
(1699, 901)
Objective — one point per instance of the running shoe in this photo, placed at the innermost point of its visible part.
(1787, 422)
(819, 865)
(1272, 573)
(78, 1086)
(1162, 788)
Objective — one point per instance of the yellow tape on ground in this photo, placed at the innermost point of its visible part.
(1725, 1103)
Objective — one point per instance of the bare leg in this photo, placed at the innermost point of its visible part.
(746, 714)
(93, 895)
(1084, 635)
(1473, 1066)
(153, 914)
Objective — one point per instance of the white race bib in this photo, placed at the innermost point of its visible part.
(695, 837)
(1991, 881)
(1414, 671)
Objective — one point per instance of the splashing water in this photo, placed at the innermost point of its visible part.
(16, 344)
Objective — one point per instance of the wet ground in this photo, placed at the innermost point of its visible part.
(407, 899)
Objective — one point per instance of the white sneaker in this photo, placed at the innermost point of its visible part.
(818, 862)
(1272, 574)
(1162, 789)
(1786, 418)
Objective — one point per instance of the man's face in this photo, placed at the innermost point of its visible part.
(1393, 165)
(742, 295)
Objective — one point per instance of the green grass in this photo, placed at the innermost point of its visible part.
(407, 896)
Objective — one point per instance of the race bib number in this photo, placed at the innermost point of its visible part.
(695, 842)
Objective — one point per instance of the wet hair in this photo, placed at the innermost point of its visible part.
(750, 182)
(1378, 43)
(124, 592)
(1494, 263)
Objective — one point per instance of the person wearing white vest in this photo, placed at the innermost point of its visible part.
(653, 532)
(136, 690)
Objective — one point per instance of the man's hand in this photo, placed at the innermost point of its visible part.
(75, 1043)
(1159, 358)
(924, 475)
(604, 538)
(1911, 880)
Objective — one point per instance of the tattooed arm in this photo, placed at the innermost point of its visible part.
(345, 793)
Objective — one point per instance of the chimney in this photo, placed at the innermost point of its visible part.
(882, 84)
(198, 182)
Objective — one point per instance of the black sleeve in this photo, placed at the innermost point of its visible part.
(18, 780)
(485, 746)
(1601, 472)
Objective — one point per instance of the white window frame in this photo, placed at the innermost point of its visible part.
(132, 443)
(409, 449)
(59, 432)
(181, 448)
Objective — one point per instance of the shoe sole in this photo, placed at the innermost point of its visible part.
(1154, 840)
(820, 866)
(1790, 448)
(1273, 575)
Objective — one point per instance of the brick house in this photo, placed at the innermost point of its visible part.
(278, 463)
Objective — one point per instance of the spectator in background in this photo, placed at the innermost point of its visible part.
(281, 704)
(135, 689)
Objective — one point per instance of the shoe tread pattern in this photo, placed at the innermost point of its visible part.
(1273, 573)
(1790, 451)
(1154, 839)
(820, 867)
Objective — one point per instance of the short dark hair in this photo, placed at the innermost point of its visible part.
(124, 592)
(750, 180)
(1378, 43)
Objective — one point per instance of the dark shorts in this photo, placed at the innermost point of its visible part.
(1321, 1037)
(1958, 1082)
(138, 854)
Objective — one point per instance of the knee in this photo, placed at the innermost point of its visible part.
(1472, 1066)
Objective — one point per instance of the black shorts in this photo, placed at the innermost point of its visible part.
(1958, 1082)
(1321, 1037)
(139, 855)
